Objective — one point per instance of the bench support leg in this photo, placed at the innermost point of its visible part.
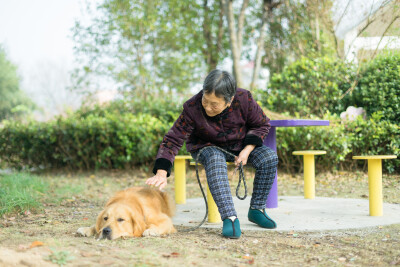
(180, 181)
(213, 213)
(309, 176)
(375, 187)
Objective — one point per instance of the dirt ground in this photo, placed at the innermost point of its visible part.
(47, 237)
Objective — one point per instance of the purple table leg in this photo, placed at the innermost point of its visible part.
(270, 141)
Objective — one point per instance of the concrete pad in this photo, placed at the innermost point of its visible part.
(298, 214)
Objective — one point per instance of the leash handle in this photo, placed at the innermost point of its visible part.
(241, 177)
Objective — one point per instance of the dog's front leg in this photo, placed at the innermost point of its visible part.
(86, 231)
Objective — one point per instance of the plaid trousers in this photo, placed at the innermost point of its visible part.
(263, 159)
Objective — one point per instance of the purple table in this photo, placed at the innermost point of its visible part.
(270, 141)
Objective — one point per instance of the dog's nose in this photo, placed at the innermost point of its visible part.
(107, 231)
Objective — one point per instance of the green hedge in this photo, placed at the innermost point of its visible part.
(341, 141)
(310, 86)
(110, 141)
(122, 140)
(378, 88)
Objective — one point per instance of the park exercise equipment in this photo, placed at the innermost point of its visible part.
(309, 170)
(375, 182)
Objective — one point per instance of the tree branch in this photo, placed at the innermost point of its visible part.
(241, 20)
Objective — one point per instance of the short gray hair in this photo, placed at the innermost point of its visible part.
(221, 83)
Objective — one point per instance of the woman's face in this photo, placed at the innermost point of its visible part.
(214, 105)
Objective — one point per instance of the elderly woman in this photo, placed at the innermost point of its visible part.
(228, 117)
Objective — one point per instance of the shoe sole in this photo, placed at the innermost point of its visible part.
(261, 226)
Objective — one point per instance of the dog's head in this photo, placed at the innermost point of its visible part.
(120, 220)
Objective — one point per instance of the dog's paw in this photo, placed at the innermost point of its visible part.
(84, 231)
(151, 232)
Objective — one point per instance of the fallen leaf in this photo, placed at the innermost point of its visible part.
(173, 255)
(342, 259)
(36, 244)
(86, 254)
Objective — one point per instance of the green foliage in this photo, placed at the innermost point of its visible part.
(83, 142)
(147, 46)
(165, 108)
(61, 258)
(341, 141)
(21, 192)
(310, 87)
(299, 29)
(13, 101)
(378, 88)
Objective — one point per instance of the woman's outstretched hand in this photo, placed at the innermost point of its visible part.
(159, 180)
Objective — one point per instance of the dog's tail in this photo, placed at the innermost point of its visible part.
(170, 211)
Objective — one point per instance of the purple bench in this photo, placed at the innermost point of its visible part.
(270, 141)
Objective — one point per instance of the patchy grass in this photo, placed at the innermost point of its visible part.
(86, 193)
(20, 192)
(25, 193)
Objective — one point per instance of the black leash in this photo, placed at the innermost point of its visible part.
(241, 177)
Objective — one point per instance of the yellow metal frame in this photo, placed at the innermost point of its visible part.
(180, 178)
(309, 170)
(375, 182)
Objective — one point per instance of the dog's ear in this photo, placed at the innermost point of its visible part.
(99, 221)
(138, 223)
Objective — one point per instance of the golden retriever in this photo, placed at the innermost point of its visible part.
(134, 212)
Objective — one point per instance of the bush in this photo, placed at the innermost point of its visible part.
(378, 88)
(310, 87)
(164, 108)
(109, 141)
(341, 141)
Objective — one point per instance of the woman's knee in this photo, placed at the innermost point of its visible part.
(211, 155)
(265, 157)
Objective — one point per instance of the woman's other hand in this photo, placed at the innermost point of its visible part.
(244, 155)
(159, 180)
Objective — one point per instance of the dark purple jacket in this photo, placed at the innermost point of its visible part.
(240, 124)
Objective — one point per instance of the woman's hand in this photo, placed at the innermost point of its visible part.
(159, 180)
(244, 155)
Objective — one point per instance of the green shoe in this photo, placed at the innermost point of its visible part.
(261, 218)
(231, 229)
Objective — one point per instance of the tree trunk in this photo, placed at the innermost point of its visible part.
(267, 7)
(236, 36)
(213, 47)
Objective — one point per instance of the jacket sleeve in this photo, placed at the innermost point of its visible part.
(257, 123)
(173, 141)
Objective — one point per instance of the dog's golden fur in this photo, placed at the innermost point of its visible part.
(134, 212)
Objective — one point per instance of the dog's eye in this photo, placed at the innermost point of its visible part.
(105, 218)
(120, 220)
